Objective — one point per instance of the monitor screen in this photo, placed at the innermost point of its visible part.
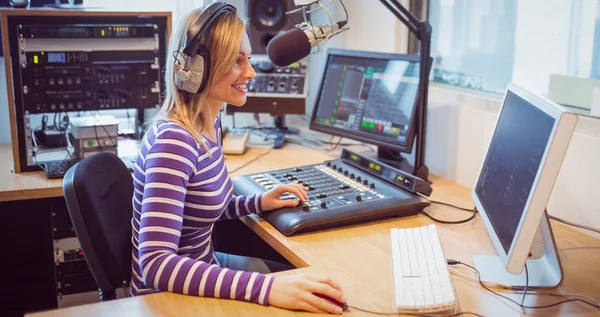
(368, 96)
(511, 165)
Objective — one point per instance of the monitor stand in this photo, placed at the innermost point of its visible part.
(395, 159)
(545, 272)
(280, 131)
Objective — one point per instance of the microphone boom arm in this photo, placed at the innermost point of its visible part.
(422, 31)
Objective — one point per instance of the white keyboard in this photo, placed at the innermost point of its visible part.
(422, 281)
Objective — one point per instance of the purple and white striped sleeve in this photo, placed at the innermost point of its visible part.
(240, 206)
(170, 162)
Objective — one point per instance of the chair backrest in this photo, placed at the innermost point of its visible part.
(98, 191)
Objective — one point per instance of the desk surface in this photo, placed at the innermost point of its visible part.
(357, 256)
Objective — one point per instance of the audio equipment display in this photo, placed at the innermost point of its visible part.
(90, 80)
(92, 62)
(271, 79)
(348, 190)
(275, 90)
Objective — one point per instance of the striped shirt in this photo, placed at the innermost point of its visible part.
(181, 190)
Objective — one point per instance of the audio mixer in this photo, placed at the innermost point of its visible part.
(351, 189)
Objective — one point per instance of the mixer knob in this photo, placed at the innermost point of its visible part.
(372, 185)
(352, 176)
(333, 166)
(328, 164)
(358, 198)
(358, 179)
(297, 169)
(324, 204)
(305, 207)
(345, 173)
(366, 182)
(340, 169)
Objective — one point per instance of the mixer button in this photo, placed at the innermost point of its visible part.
(344, 186)
(321, 195)
(297, 169)
(324, 204)
(311, 188)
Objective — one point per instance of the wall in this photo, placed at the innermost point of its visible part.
(460, 126)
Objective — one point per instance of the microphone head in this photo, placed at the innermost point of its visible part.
(288, 47)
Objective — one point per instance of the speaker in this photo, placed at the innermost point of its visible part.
(267, 18)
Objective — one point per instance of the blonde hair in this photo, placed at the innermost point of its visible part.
(223, 41)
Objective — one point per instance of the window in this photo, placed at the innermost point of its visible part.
(486, 44)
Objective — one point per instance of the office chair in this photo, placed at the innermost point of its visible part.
(98, 191)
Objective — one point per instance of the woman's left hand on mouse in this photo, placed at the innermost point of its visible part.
(271, 201)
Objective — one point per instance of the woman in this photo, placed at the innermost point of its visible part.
(182, 187)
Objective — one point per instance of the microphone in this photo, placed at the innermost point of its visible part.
(297, 43)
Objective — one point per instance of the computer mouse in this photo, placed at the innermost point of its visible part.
(344, 306)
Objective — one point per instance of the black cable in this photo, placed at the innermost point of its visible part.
(451, 222)
(454, 262)
(103, 128)
(411, 314)
(251, 161)
(345, 11)
(450, 205)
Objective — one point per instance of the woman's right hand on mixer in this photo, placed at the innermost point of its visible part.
(270, 200)
(305, 292)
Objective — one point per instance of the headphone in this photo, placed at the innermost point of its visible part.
(192, 74)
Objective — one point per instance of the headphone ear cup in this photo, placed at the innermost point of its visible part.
(191, 80)
(205, 55)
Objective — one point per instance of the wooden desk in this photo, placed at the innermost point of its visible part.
(358, 258)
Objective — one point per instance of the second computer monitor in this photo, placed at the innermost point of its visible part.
(369, 97)
(516, 179)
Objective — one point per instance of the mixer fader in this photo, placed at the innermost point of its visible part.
(351, 189)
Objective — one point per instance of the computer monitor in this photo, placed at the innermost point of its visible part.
(369, 97)
(512, 190)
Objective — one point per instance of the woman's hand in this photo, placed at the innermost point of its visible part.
(299, 292)
(271, 201)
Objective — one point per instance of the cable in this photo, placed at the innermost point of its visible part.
(450, 205)
(579, 248)
(451, 222)
(529, 292)
(454, 262)
(251, 161)
(526, 285)
(410, 314)
(566, 222)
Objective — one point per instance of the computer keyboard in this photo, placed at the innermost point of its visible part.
(422, 281)
(58, 169)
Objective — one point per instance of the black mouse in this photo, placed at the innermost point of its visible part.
(344, 306)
